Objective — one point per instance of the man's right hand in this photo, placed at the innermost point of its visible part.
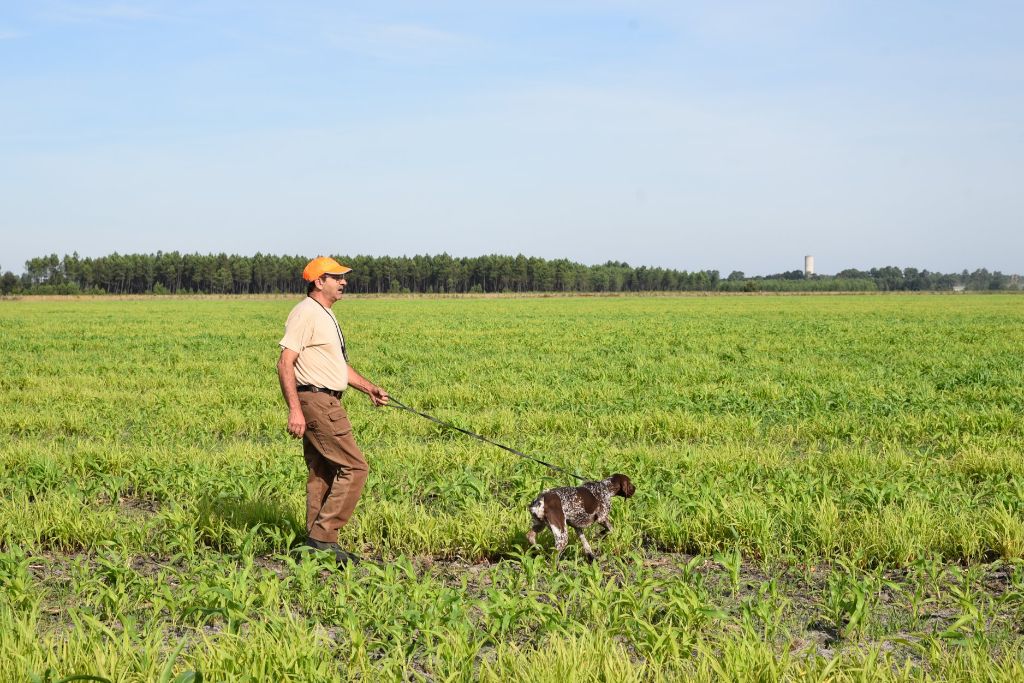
(296, 423)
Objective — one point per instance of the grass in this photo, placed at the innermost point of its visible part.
(828, 488)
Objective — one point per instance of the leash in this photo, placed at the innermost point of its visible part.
(395, 403)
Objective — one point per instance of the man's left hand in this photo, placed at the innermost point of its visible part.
(378, 396)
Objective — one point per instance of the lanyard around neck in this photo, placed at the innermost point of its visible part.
(341, 337)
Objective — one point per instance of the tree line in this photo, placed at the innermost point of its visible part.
(176, 273)
(886, 279)
(173, 273)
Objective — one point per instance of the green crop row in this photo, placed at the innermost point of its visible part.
(827, 488)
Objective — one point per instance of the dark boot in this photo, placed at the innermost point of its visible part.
(340, 556)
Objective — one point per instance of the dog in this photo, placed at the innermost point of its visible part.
(578, 507)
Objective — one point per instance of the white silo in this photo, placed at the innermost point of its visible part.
(808, 265)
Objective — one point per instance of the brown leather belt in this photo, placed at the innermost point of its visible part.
(321, 390)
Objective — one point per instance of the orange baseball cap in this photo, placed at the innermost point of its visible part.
(323, 265)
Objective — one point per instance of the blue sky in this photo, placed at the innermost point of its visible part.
(691, 135)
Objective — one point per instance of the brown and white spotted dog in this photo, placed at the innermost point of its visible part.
(578, 507)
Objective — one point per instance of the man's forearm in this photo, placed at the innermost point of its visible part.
(357, 381)
(286, 376)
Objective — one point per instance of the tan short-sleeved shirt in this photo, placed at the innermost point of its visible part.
(312, 331)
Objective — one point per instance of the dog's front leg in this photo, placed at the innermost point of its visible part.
(586, 546)
(531, 535)
(561, 539)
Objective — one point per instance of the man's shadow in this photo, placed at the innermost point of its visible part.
(233, 524)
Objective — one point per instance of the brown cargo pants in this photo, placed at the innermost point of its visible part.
(337, 468)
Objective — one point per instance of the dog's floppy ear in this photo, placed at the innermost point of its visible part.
(624, 485)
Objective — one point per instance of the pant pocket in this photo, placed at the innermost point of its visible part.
(339, 424)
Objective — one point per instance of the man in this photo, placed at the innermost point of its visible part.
(314, 371)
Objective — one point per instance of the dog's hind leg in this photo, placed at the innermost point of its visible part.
(555, 518)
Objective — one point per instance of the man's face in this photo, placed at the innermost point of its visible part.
(334, 286)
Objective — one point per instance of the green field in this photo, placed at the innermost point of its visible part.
(828, 488)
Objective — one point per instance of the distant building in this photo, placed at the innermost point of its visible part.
(808, 266)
